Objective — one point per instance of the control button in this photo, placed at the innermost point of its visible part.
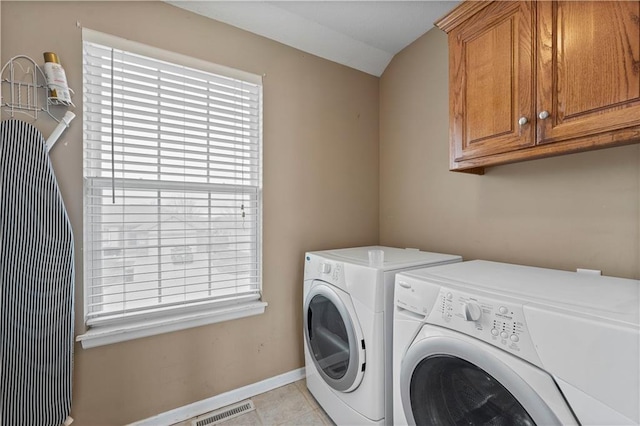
(449, 296)
(325, 268)
(471, 311)
(514, 338)
(504, 334)
(503, 310)
(495, 331)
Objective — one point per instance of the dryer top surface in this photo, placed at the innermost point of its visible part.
(394, 258)
(611, 298)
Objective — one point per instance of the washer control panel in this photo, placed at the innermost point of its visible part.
(499, 323)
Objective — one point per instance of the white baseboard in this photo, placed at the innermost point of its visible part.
(201, 407)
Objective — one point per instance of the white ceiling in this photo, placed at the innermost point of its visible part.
(361, 34)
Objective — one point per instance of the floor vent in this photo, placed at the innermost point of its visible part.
(226, 413)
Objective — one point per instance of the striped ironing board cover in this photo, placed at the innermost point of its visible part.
(36, 284)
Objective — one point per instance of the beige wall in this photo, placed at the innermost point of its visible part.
(579, 210)
(320, 191)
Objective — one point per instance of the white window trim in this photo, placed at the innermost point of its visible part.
(105, 334)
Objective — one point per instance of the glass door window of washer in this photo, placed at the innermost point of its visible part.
(447, 390)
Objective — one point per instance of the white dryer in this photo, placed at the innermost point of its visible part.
(348, 321)
(490, 343)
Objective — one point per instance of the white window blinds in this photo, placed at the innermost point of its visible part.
(172, 186)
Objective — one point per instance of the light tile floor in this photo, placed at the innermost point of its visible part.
(288, 405)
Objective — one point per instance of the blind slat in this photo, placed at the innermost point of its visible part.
(233, 104)
(136, 185)
(226, 97)
(138, 283)
(101, 141)
(134, 101)
(156, 246)
(211, 143)
(99, 271)
(203, 115)
(96, 56)
(148, 126)
(129, 165)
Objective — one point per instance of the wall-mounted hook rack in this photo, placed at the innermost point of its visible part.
(25, 91)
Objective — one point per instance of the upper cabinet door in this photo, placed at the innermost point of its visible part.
(491, 73)
(588, 69)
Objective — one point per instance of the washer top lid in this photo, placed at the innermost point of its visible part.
(394, 258)
(611, 298)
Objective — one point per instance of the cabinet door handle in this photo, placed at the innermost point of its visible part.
(543, 115)
(523, 121)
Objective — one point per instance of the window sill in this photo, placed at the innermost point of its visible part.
(107, 335)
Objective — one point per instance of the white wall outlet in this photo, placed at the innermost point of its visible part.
(589, 271)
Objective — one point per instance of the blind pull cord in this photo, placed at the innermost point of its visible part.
(113, 155)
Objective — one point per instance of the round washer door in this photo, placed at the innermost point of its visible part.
(332, 337)
(447, 381)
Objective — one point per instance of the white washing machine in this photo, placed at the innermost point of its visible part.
(348, 321)
(490, 343)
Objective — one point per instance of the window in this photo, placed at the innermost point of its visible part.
(172, 185)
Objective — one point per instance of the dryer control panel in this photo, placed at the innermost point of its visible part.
(498, 322)
(316, 267)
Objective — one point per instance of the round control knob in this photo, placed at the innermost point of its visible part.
(471, 311)
(504, 334)
(449, 296)
(494, 331)
(514, 338)
(503, 310)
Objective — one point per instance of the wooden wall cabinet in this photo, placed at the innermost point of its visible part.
(537, 79)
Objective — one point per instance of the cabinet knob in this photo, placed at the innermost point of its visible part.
(523, 121)
(543, 115)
